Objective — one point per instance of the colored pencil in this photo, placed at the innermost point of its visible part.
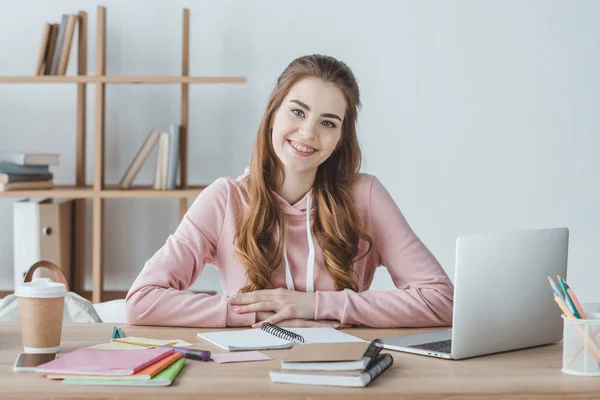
(553, 285)
(568, 300)
(575, 302)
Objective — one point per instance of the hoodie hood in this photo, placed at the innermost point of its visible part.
(303, 208)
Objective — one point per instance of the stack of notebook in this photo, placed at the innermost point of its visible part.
(333, 364)
(150, 367)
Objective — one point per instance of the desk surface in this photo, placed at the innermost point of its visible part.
(520, 374)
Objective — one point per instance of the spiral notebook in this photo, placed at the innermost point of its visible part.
(335, 378)
(270, 337)
(332, 356)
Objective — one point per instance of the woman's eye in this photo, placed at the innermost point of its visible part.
(328, 124)
(299, 113)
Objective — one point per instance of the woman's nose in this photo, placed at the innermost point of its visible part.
(308, 131)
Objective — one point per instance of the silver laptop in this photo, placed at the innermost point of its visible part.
(502, 299)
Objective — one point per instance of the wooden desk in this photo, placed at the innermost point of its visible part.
(526, 374)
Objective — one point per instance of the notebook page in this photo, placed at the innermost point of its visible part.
(247, 339)
(324, 335)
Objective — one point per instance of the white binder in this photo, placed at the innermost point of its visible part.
(42, 230)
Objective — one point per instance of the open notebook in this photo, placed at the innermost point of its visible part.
(269, 337)
(335, 378)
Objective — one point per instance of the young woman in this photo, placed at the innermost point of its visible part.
(297, 238)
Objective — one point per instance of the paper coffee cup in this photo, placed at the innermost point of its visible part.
(41, 306)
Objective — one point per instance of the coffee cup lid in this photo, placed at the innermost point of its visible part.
(41, 288)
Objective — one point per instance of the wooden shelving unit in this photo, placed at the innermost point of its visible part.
(120, 79)
(98, 191)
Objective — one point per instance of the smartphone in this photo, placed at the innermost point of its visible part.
(26, 362)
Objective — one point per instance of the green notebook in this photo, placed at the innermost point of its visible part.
(163, 378)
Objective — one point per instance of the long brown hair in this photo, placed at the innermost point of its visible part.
(336, 227)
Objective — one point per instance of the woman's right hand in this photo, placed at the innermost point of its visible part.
(306, 323)
(302, 323)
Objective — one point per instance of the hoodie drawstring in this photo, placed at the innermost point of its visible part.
(310, 262)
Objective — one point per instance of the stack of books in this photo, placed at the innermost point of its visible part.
(333, 364)
(167, 159)
(20, 171)
(101, 367)
(56, 46)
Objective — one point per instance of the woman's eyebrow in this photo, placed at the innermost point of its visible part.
(304, 105)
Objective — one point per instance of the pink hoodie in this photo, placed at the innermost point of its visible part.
(424, 294)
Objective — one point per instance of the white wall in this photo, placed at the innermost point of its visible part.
(478, 116)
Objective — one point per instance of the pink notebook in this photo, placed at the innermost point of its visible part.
(104, 362)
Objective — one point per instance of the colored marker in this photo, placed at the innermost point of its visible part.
(192, 354)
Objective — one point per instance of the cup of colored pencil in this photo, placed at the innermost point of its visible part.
(581, 334)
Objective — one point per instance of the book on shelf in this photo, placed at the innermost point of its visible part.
(12, 178)
(55, 48)
(16, 169)
(43, 48)
(66, 45)
(167, 159)
(139, 159)
(49, 55)
(349, 378)
(47, 184)
(26, 171)
(59, 45)
(162, 162)
(29, 158)
(173, 162)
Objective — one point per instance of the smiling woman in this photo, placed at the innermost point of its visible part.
(298, 237)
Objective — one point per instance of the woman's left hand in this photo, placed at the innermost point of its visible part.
(287, 304)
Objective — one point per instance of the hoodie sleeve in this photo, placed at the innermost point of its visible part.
(423, 295)
(159, 296)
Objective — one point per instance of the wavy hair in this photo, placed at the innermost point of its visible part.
(260, 235)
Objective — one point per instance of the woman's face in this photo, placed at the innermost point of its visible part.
(308, 125)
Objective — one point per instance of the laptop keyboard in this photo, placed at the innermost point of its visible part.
(443, 346)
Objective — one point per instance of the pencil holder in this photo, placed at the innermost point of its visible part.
(581, 346)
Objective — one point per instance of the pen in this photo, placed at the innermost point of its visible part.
(192, 354)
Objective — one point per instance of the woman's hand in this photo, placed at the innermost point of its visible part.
(262, 316)
(286, 304)
(305, 323)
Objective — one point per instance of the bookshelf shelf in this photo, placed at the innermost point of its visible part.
(99, 191)
(140, 192)
(122, 79)
(109, 192)
(58, 191)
